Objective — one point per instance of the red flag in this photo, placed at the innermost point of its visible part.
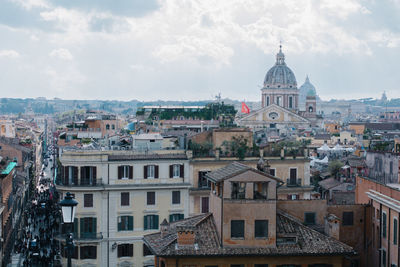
(245, 108)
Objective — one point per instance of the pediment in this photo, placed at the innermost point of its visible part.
(274, 114)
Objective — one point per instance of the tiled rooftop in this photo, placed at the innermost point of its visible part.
(308, 241)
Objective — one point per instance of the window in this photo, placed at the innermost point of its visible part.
(150, 171)
(238, 190)
(290, 102)
(348, 217)
(384, 222)
(176, 170)
(88, 227)
(293, 176)
(88, 252)
(176, 197)
(267, 101)
(261, 265)
(203, 182)
(87, 200)
(125, 223)
(395, 231)
(125, 172)
(204, 205)
(151, 198)
(125, 250)
(237, 229)
(260, 190)
(279, 100)
(107, 126)
(261, 229)
(70, 175)
(272, 172)
(88, 175)
(175, 217)
(113, 127)
(125, 199)
(237, 265)
(309, 218)
(146, 250)
(151, 222)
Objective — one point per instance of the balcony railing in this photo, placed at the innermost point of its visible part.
(80, 182)
(293, 182)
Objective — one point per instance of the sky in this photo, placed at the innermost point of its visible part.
(194, 49)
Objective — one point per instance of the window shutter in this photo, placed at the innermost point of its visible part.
(94, 173)
(181, 216)
(145, 226)
(182, 171)
(76, 227)
(119, 251)
(66, 175)
(171, 171)
(94, 221)
(130, 222)
(75, 174)
(145, 172)
(155, 222)
(130, 250)
(156, 171)
(130, 172)
(83, 173)
(171, 217)
(120, 172)
(119, 223)
(82, 223)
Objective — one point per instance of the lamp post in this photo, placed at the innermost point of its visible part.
(68, 205)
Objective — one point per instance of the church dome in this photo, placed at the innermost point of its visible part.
(280, 75)
(307, 89)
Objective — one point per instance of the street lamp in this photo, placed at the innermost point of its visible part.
(68, 205)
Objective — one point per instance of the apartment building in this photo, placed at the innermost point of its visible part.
(122, 195)
(245, 228)
(294, 172)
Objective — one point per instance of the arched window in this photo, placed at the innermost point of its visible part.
(113, 127)
(107, 126)
(310, 109)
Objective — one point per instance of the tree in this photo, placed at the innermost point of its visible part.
(334, 167)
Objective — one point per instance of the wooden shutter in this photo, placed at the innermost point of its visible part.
(155, 171)
(119, 223)
(120, 172)
(130, 222)
(130, 253)
(171, 171)
(171, 218)
(94, 221)
(82, 223)
(66, 175)
(75, 227)
(155, 222)
(75, 175)
(182, 171)
(62, 174)
(145, 226)
(83, 176)
(119, 251)
(94, 173)
(145, 172)
(130, 172)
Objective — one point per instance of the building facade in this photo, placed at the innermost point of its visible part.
(122, 195)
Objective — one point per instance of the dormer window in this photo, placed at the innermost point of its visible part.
(260, 190)
(238, 190)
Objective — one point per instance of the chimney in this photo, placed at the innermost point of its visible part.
(267, 167)
(282, 153)
(164, 227)
(332, 226)
(189, 154)
(261, 152)
(261, 164)
(186, 235)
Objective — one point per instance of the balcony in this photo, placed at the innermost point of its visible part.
(81, 182)
(293, 182)
(82, 237)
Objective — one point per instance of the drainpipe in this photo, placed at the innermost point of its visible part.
(388, 238)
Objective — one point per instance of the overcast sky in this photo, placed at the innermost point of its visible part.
(190, 50)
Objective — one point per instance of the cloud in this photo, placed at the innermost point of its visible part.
(9, 54)
(61, 53)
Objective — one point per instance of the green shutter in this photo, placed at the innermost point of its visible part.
(155, 225)
(119, 221)
(171, 217)
(82, 227)
(181, 216)
(94, 221)
(76, 227)
(130, 222)
(145, 223)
